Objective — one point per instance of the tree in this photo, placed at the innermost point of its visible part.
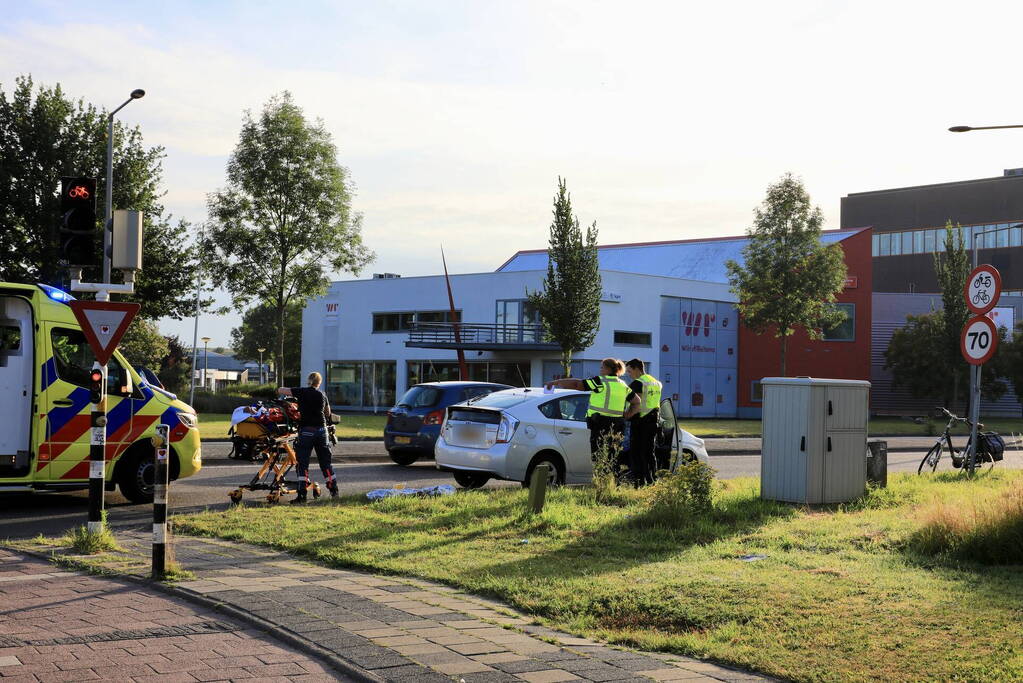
(918, 357)
(176, 367)
(788, 279)
(143, 345)
(285, 218)
(569, 304)
(952, 268)
(45, 135)
(257, 331)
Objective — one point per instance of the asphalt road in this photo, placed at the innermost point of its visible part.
(359, 467)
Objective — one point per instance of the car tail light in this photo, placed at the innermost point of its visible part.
(434, 418)
(506, 430)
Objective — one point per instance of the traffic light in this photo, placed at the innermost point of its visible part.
(78, 233)
(95, 386)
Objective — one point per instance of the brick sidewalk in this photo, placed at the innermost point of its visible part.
(66, 626)
(406, 630)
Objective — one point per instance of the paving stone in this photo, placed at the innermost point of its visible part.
(522, 666)
(548, 676)
(670, 674)
(488, 677)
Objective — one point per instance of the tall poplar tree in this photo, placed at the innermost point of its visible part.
(569, 304)
(788, 279)
(284, 222)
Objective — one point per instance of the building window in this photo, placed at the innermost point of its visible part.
(361, 384)
(516, 374)
(756, 391)
(885, 245)
(845, 330)
(918, 241)
(928, 241)
(517, 321)
(896, 246)
(907, 243)
(874, 244)
(626, 338)
(402, 322)
(1014, 236)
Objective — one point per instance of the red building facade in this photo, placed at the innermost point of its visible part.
(847, 356)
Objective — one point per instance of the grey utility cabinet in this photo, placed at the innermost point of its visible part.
(814, 439)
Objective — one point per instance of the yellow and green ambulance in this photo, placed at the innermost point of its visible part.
(45, 363)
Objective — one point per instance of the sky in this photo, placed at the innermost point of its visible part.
(455, 118)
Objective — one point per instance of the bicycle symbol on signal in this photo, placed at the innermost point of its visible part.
(78, 192)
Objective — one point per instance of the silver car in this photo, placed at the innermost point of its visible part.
(506, 434)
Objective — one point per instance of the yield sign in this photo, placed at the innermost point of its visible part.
(104, 323)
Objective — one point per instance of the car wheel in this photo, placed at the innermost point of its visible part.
(403, 459)
(471, 480)
(137, 477)
(557, 470)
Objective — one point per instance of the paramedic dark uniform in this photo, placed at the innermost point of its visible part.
(643, 430)
(312, 434)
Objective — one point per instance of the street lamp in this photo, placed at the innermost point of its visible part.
(206, 359)
(966, 129)
(261, 349)
(108, 227)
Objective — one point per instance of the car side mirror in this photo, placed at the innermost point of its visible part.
(119, 383)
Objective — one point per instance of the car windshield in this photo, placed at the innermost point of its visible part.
(421, 396)
(500, 400)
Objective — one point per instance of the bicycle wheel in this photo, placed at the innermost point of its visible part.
(931, 459)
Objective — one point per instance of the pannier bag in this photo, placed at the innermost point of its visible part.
(991, 446)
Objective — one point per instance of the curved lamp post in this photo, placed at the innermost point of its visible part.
(108, 226)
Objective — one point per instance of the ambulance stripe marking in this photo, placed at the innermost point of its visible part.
(49, 373)
(61, 416)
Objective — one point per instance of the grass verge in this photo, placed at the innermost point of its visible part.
(808, 594)
(215, 426)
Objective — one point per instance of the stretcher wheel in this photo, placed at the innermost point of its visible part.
(236, 496)
(273, 497)
(316, 490)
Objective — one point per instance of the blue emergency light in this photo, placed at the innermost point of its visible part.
(56, 294)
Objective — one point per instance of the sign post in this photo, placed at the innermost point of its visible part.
(103, 324)
(162, 488)
(979, 339)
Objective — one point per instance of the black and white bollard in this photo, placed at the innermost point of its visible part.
(160, 490)
(97, 446)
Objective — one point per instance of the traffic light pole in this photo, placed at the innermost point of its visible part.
(162, 488)
(97, 447)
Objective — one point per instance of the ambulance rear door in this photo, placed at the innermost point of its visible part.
(16, 396)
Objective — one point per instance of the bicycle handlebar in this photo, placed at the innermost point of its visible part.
(952, 416)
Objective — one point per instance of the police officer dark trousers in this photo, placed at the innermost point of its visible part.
(642, 459)
(610, 400)
(312, 434)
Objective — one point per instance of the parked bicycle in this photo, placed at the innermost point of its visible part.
(990, 448)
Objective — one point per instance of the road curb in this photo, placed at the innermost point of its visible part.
(280, 633)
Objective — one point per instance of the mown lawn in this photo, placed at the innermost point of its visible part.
(837, 594)
(215, 426)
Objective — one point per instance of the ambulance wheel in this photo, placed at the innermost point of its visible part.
(316, 490)
(236, 496)
(137, 476)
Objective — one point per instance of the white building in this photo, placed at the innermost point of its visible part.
(372, 339)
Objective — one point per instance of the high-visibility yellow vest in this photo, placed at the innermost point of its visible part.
(651, 398)
(607, 398)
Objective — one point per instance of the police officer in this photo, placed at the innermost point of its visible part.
(611, 401)
(312, 434)
(643, 426)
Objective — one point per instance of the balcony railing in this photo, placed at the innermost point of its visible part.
(477, 336)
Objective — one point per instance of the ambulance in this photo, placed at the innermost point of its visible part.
(45, 363)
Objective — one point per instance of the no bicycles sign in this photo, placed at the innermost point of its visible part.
(982, 289)
(978, 340)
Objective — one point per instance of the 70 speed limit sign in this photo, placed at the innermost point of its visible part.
(978, 340)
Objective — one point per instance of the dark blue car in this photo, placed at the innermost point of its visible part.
(414, 424)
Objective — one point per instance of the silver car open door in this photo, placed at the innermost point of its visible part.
(668, 446)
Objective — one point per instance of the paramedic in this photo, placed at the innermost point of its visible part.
(611, 402)
(643, 427)
(312, 434)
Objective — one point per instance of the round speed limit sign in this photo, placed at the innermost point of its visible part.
(978, 340)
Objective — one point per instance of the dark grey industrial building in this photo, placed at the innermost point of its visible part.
(909, 226)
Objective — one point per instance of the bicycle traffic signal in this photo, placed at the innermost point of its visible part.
(78, 233)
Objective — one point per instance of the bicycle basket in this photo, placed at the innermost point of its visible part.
(991, 446)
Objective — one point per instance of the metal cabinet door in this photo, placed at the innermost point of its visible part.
(845, 466)
(846, 408)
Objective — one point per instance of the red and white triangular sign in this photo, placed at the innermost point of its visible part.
(104, 323)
